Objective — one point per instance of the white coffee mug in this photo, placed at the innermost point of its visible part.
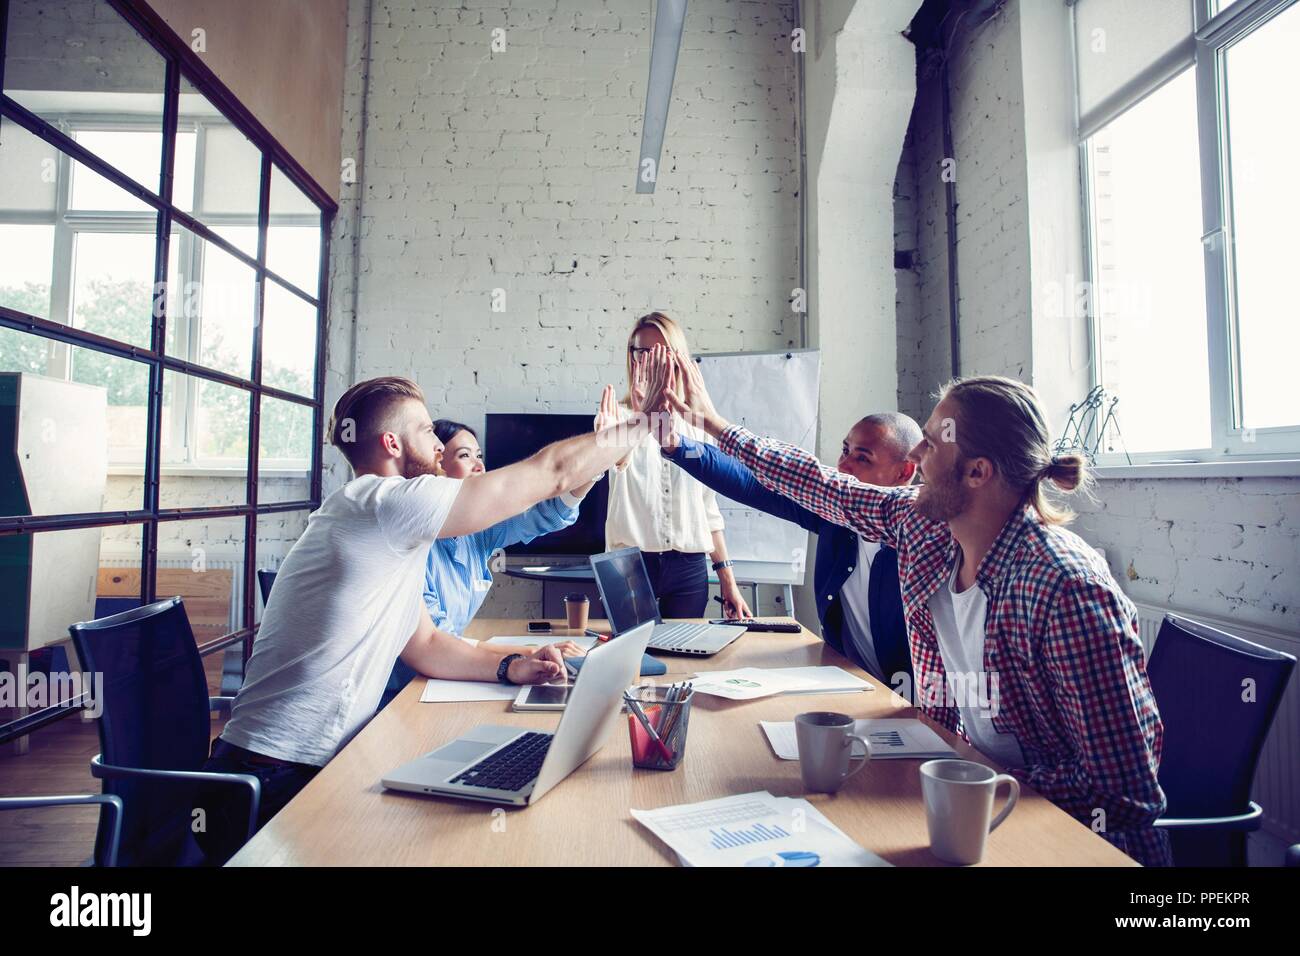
(958, 802)
(826, 758)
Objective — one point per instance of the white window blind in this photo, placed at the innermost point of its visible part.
(1124, 48)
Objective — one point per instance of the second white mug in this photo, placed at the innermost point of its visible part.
(958, 798)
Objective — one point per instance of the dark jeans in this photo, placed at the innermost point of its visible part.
(227, 806)
(681, 582)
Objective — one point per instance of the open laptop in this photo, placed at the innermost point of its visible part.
(630, 602)
(518, 766)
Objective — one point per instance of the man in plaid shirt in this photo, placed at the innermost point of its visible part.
(1050, 678)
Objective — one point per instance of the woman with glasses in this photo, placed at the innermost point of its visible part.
(659, 508)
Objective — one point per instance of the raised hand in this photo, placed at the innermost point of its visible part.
(691, 400)
(607, 414)
(636, 395)
(661, 379)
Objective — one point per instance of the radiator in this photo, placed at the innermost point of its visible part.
(1277, 781)
(185, 559)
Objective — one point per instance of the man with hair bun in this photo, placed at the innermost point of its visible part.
(1000, 598)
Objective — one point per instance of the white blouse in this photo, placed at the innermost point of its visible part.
(655, 506)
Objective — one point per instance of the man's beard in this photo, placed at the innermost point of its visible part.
(413, 466)
(943, 500)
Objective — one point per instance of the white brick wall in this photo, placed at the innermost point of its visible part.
(1225, 547)
(515, 170)
(992, 224)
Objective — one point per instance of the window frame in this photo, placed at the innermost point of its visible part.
(182, 65)
(1214, 34)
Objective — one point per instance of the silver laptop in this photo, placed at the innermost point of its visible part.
(630, 602)
(513, 765)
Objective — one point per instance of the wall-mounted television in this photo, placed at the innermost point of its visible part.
(509, 438)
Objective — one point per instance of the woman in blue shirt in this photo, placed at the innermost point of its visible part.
(458, 573)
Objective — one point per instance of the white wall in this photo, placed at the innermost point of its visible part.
(1224, 547)
(515, 171)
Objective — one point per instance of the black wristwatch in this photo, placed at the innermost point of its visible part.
(719, 565)
(503, 669)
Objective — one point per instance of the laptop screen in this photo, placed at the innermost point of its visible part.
(625, 588)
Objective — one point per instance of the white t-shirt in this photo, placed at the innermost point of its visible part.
(346, 600)
(959, 627)
(857, 609)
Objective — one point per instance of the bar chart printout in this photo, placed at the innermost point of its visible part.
(754, 829)
(724, 838)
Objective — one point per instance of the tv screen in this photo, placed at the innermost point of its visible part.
(511, 438)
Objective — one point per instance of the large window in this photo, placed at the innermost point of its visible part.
(1185, 131)
(161, 281)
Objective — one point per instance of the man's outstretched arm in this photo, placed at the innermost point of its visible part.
(875, 513)
(504, 492)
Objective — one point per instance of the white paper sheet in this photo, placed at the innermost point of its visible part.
(745, 683)
(892, 738)
(750, 683)
(449, 691)
(584, 641)
(754, 829)
(823, 680)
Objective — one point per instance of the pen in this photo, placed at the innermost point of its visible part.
(635, 707)
(729, 620)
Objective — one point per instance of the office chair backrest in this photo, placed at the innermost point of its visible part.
(265, 579)
(154, 715)
(1217, 696)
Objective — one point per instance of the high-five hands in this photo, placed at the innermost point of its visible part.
(659, 379)
(675, 384)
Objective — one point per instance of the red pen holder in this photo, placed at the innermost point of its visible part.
(668, 717)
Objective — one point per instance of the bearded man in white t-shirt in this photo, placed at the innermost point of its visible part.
(347, 600)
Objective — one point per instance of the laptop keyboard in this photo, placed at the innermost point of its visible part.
(511, 767)
(676, 635)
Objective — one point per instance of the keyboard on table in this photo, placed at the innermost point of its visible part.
(675, 635)
(511, 767)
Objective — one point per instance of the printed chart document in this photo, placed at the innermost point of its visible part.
(891, 738)
(750, 683)
(754, 829)
(745, 683)
(438, 691)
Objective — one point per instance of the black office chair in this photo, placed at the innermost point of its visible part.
(154, 731)
(1214, 732)
(110, 817)
(232, 659)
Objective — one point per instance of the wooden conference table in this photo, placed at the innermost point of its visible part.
(344, 817)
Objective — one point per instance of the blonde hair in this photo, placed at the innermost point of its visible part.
(670, 330)
(368, 406)
(1003, 420)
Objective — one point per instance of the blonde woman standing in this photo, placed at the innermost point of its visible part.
(659, 508)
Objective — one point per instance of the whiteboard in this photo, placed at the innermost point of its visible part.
(773, 394)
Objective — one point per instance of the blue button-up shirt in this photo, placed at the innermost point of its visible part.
(458, 574)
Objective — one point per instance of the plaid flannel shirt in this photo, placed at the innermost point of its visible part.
(1060, 637)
